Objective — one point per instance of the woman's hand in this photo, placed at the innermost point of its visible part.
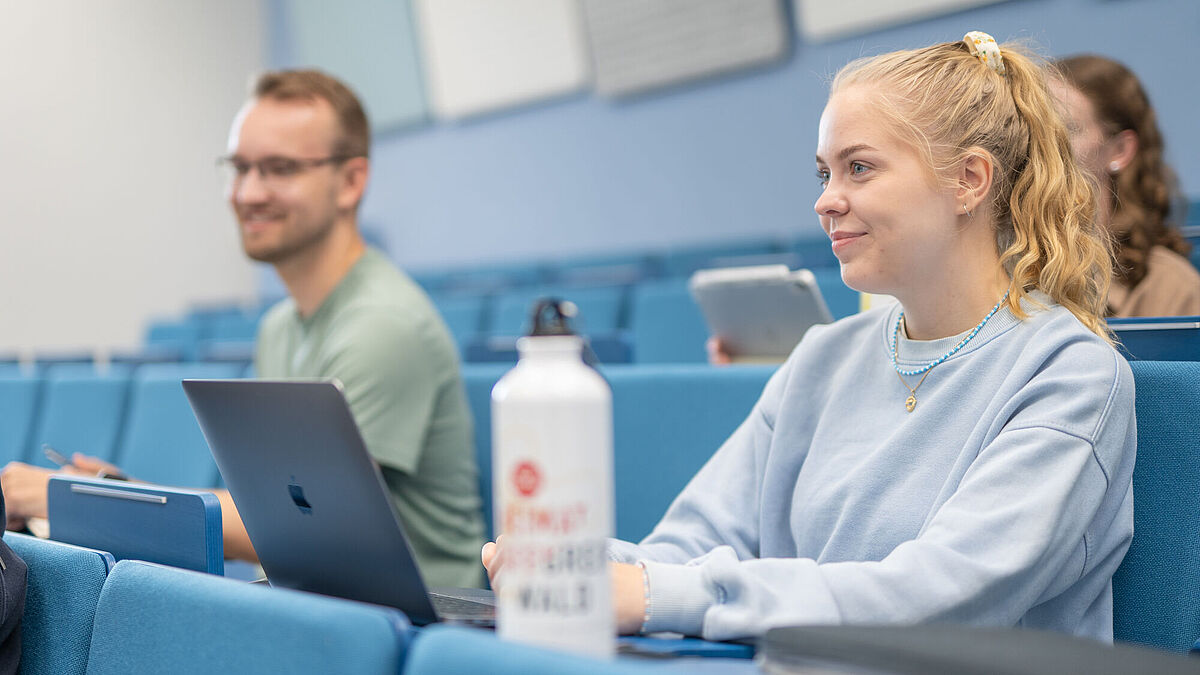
(628, 586)
(24, 488)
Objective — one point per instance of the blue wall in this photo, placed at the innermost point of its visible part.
(717, 160)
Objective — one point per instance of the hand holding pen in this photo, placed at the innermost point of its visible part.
(83, 464)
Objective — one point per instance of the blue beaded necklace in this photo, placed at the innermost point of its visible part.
(911, 401)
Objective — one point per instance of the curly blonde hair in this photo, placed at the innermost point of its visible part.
(950, 106)
(1145, 191)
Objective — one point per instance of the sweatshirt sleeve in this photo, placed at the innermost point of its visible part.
(719, 506)
(1005, 540)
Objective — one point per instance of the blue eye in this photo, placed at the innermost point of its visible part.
(858, 168)
(823, 176)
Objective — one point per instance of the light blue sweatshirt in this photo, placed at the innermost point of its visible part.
(1004, 498)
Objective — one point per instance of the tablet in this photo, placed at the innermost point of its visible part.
(760, 312)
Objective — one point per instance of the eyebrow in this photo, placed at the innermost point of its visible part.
(846, 152)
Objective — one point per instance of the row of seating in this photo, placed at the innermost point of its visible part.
(631, 267)
(654, 321)
(85, 614)
(138, 418)
(669, 419)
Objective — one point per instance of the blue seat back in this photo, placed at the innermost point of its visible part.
(1160, 338)
(1156, 591)
(171, 526)
(665, 324)
(63, 588)
(464, 315)
(19, 400)
(81, 412)
(162, 443)
(153, 619)
(683, 260)
(601, 309)
(453, 649)
(179, 336)
(478, 379)
(667, 421)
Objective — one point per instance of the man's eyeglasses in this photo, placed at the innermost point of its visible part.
(274, 170)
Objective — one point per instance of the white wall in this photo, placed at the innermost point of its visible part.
(112, 113)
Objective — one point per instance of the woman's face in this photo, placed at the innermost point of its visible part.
(1088, 138)
(891, 226)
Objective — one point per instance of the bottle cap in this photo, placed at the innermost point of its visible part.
(552, 316)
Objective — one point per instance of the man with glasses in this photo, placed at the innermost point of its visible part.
(298, 167)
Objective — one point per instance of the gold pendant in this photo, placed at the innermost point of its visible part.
(910, 402)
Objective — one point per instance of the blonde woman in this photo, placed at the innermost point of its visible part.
(965, 456)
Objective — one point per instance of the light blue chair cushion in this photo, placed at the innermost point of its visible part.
(162, 443)
(668, 420)
(80, 413)
(19, 399)
(153, 619)
(666, 324)
(1156, 591)
(62, 590)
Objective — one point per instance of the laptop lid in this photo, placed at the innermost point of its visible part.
(313, 500)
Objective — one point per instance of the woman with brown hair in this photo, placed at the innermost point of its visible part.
(1114, 132)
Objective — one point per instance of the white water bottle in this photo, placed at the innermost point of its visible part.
(553, 487)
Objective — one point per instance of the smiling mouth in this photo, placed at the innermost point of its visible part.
(842, 236)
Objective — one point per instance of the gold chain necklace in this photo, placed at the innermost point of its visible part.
(911, 401)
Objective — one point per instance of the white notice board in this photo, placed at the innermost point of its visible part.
(824, 20)
(484, 55)
(638, 45)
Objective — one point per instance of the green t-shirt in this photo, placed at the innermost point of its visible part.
(379, 334)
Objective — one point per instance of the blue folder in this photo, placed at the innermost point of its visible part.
(169, 526)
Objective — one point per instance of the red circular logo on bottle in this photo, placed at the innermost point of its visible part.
(527, 478)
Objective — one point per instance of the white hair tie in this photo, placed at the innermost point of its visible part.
(984, 47)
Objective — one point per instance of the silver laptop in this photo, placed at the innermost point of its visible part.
(313, 500)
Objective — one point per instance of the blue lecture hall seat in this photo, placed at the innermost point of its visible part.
(841, 300)
(180, 337)
(1156, 591)
(154, 619)
(166, 525)
(668, 420)
(464, 315)
(665, 324)
(682, 261)
(19, 399)
(62, 590)
(1160, 338)
(455, 649)
(601, 308)
(479, 378)
(82, 411)
(161, 442)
